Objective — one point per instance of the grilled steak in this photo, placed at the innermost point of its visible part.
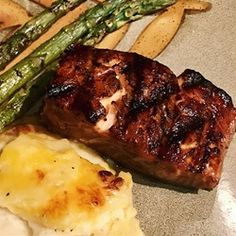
(137, 112)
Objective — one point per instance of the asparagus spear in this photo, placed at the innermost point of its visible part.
(23, 99)
(33, 29)
(125, 13)
(29, 67)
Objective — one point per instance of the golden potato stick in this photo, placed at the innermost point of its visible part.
(196, 5)
(111, 40)
(45, 3)
(12, 14)
(158, 34)
(65, 20)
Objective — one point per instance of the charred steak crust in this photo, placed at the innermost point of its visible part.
(136, 111)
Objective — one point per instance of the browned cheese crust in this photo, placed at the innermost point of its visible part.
(174, 128)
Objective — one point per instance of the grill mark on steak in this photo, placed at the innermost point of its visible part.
(174, 128)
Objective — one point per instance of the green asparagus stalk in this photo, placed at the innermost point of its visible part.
(125, 13)
(24, 98)
(29, 67)
(33, 29)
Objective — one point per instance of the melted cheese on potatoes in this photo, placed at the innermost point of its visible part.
(46, 182)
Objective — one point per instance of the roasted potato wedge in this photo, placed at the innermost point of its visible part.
(196, 5)
(12, 14)
(158, 34)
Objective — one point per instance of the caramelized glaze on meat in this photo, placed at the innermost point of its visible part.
(137, 112)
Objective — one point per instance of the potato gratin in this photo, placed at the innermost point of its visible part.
(50, 186)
